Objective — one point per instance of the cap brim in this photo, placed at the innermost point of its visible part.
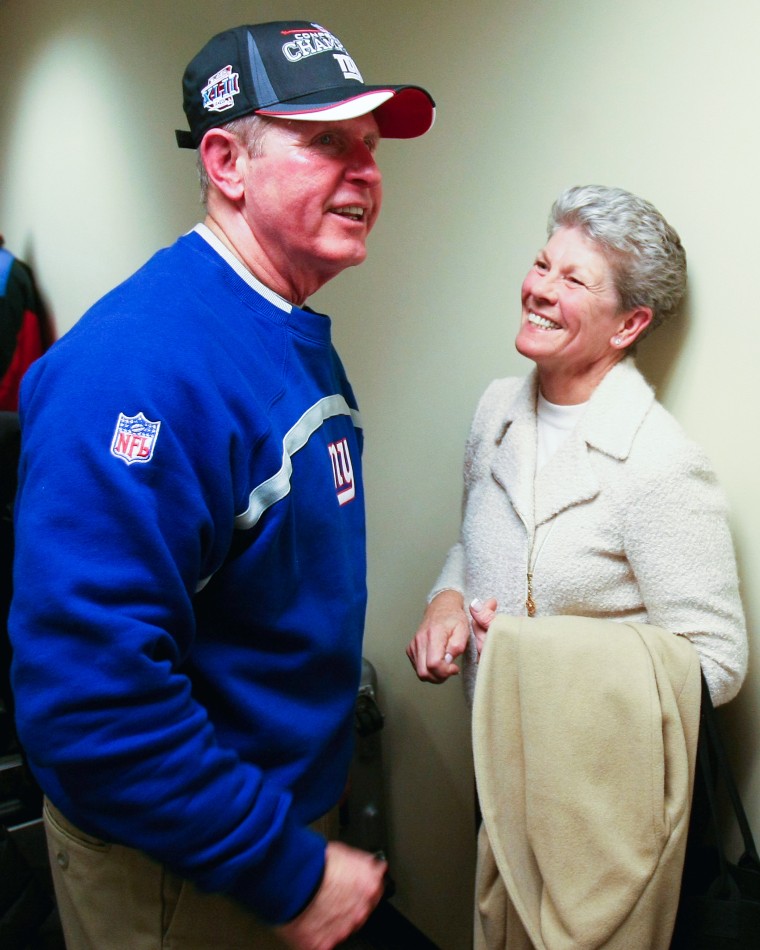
(402, 112)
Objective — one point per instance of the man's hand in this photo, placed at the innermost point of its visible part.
(351, 888)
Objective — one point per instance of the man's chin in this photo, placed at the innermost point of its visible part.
(349, 258)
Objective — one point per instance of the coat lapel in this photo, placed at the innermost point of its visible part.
(514, 460)
(614, 414)
(567, 479)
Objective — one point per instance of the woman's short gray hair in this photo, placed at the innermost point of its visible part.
(251, 130)
(644, 251)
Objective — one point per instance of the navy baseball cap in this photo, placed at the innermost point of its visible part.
(291, 70)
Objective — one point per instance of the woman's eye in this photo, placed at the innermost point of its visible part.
(575, 280)
(540, 265)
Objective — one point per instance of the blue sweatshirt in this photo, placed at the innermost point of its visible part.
(190, 576)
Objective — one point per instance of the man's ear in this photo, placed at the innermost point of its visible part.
(221, 152)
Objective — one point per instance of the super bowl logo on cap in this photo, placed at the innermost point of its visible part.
(134, 439)
(221, 90)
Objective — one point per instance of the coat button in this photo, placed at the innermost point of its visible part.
(62, 859)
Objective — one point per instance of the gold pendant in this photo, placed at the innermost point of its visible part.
(530, 605)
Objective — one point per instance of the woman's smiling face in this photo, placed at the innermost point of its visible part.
(571, 316)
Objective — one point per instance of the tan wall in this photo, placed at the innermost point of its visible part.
(658, 98)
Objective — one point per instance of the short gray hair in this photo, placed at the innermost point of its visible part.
(249, 129)
(646, 255)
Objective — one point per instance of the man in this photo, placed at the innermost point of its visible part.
(190, 574)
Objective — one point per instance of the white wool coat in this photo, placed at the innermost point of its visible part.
(625, 522)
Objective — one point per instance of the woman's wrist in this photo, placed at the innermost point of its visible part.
(448, 593)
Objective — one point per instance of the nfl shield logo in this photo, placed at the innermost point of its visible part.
(135, 438)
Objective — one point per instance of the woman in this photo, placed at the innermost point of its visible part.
(583, 496)
(585, 499)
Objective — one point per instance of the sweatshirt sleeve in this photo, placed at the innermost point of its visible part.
(109, 554)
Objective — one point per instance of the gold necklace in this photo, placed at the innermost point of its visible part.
(530, 605)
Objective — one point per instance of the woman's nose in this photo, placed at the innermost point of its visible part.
(544, 287)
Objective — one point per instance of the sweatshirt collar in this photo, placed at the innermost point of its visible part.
(240, 269)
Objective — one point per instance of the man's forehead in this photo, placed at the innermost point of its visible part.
(362, 126)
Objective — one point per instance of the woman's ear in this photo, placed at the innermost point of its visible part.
(220, 153)
(634, 322)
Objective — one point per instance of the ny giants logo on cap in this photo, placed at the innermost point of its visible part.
(221, 90)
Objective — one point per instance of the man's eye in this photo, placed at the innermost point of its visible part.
(540, 265)
(576, 281)
(327, 138)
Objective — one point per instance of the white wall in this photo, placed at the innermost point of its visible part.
(658, 98)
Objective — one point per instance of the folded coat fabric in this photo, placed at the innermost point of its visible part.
(585, 735)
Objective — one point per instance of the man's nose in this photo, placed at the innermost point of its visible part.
(362, 165)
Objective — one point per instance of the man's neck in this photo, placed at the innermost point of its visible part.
(237, 265)
(239, 243)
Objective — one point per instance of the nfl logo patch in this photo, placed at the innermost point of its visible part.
(134, 438)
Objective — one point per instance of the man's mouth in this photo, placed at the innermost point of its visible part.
(354, 212)
(543, 322)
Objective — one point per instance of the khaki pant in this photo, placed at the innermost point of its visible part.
(115, 898)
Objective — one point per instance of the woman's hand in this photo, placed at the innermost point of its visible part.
(440, 639)
(482, 614)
